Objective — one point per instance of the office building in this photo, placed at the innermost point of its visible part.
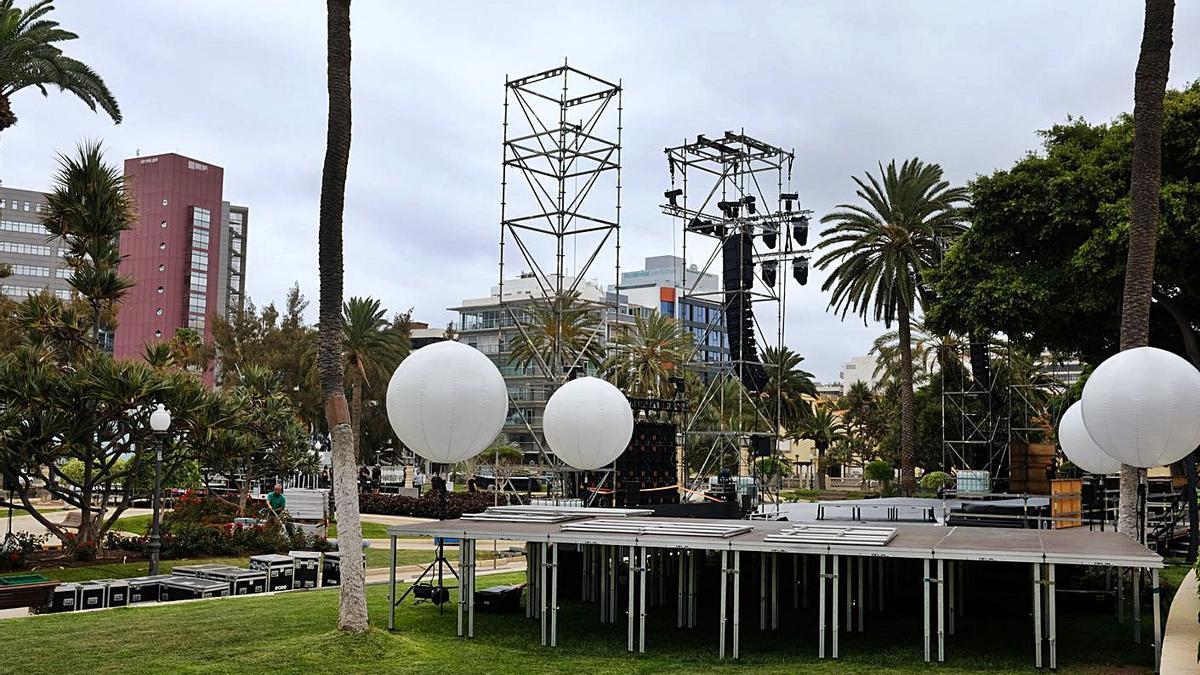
(34, 258)
(860, 369)
(186, 254)
(660, 285)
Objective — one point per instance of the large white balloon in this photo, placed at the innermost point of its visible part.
(1142, 407)
(588, 423)
(1079, 446)
(447, 402)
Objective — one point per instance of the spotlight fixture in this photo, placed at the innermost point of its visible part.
(800, 269)
(788, 198)
(730, 209)
(749, 201)
(770, 236)
(770, 272)
(673, 195)
(800, 230)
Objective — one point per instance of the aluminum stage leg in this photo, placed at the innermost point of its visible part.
(462, 591)
(642, 607)
(680, 586)
(602, 568)
(941, 602)
(762, 591)
(925, 598)
(1137, 605)
(950, 595)
(724, 597)
(834, 650)
(554, 596)
(1156, 603)
(860, 595)
(615, 567)
(774, 591)
(471, 551)
(804, 580)
(392, 588)
(849, 594)
(795, 580)
(737, 600)
(692, 555)
(541, 556)
(1051, 616)
(821, 609)
(631, 611)
(1120, 595)
(1037, 614)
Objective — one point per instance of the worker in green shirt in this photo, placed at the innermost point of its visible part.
(276, 499)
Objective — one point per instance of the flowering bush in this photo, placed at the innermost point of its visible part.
(17, 546)
(428, 505)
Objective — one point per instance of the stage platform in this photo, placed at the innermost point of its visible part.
(861, 558)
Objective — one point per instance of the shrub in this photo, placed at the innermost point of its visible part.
(934, 480)
(878, 470)
(17, 547)
(428, 505)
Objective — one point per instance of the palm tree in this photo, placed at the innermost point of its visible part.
(643, 360)
(1145, 183)
(881, 250)
(787, 386)
(30, 57)
(562, 331)
(931, 353)
(352, 607)
(824, 428)
(88, 209)
(372, 350)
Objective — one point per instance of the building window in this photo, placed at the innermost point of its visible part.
(163, 224)
(196, 303)
(162, 245)
(199, 238)
(30, 270)
(158, 333)
(24, 249)
(199, 281)
(199, 260)
(196, 322)
(26, 206)
(164, 201)
(26, 228)
(160, 290)
(162, 268)
(158, 312)
(63, 273)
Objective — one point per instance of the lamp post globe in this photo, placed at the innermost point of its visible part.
(160, 422)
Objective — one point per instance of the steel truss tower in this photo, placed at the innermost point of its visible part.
(560, 208)
(734, 203)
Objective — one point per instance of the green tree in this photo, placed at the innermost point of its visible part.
(562, 331)
(789, 389)
(372, 348)
(30, 56)
(824, 428)
(642, 360)
(352, 608)
(88, 208)
(880, 252)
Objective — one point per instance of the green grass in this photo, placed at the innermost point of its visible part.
(369, 530)
(293, 633)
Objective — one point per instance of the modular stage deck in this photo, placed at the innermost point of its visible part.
(863, 562)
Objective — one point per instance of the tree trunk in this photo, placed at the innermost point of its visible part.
(908, 477)
(243, 496)
(356, 411)
(1189, 496)
(820, 477)
(1149, 88)
(352, 608)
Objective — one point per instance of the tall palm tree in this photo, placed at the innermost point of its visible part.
(88, 209)
(30, 57)
(352, 607)
(1145, 182)
(372, 350)
(644, 359)
(787, 386)
(562, 331)
(881, 250)
(931, 353)
(824, 428)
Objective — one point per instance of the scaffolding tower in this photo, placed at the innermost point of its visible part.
(560, 208)
(733, 200)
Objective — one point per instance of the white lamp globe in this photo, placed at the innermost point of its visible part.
(1142, 407)
(447, 402)
(1079, 446)
(588, 423)
(160, 419)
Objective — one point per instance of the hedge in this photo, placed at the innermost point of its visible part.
(428, 505)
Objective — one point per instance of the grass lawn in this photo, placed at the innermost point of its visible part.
(292, 633)
(369, 530)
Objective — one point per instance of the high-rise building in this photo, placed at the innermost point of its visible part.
(186, 254)
(34, 258)
(660, 285)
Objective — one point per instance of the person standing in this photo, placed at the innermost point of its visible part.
(276, 500)
(418, 480)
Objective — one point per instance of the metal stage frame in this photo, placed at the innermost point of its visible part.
(745, 199)
(660, 551)
(563, 142)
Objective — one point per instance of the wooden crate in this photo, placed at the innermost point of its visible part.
(1027, 464)
(1066, 502)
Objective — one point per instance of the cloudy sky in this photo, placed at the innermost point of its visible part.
(241, 84)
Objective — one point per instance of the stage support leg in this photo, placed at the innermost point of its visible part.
(774, 591)
(614, 567)
(392, 588)
(692, 555)
(804, 580)
(642, 607)
(795, 581)
(941, 602)
(631, 613)
(836, 627)
(724, 597)
(737, 600)
(871, 584)
(860, 594)
(1156, 603)
(1051, 616)
(951, 597)
(821, 581)
(462, 585)
(1136, 576)
(925, 603)
(1120, 595)
(1037, 614)
(849, 594)
(541, 557)
(879, 605)
(680, 586)
(602, 568)
(762, 591)
(471, 551)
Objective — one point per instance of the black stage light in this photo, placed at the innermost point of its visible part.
(770, 272)
(788, 198)
(672, 195)
(770, 237)
(800, 230)
(800, 269)
(730, 209)
(749, 201)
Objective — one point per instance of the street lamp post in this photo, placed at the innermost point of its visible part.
(160, 421)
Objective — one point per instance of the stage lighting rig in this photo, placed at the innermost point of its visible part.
(672, 195)
(800, 230)
(800, 269)
(770, 272)
(789, 199)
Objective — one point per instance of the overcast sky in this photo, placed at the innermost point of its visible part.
(241, 84)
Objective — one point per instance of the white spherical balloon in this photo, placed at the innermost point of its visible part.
(1079, 446)
(1142, 407)
(588, 423)
(447, 402)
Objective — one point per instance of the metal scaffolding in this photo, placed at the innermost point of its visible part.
(562, 143)
(734, 203)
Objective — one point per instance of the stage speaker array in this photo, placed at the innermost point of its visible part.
(648, 463)
(738, 265)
